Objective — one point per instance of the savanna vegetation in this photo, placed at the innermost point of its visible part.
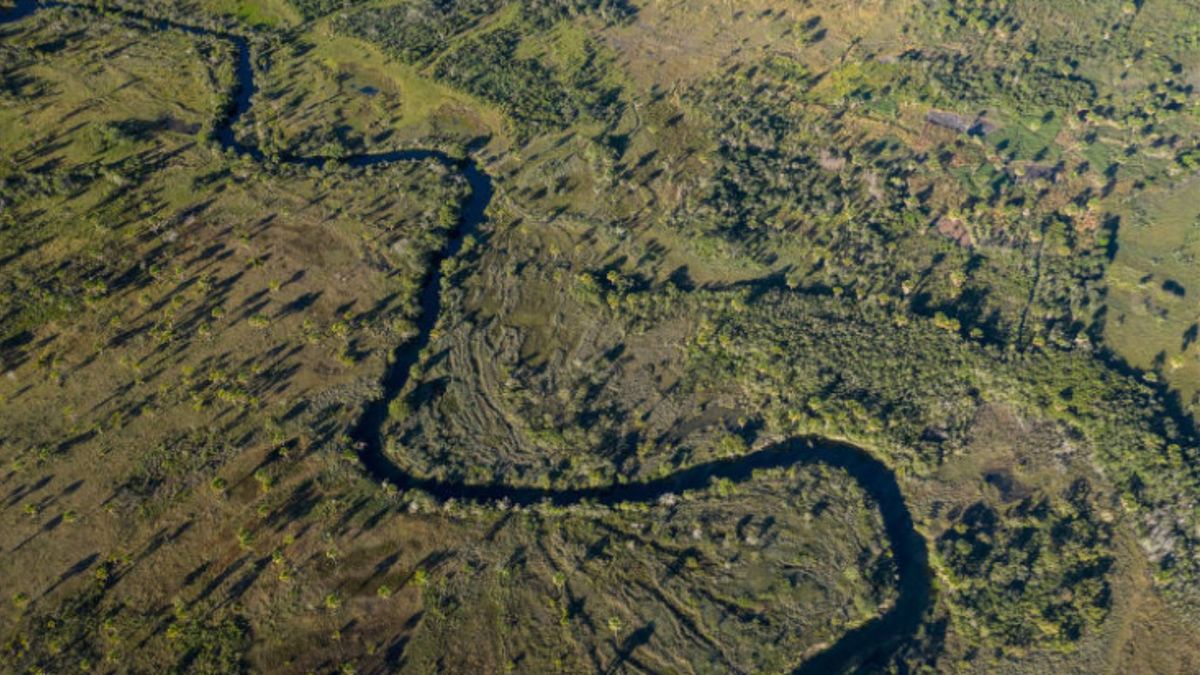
(955, 234)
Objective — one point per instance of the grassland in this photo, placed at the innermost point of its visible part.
(264, 13)
(1152, 320)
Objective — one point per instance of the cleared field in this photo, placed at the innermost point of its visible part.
(1153, 284)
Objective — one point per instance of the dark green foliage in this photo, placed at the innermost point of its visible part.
(1024, 87)
(415, 31)
(548, 12)
(67, 639)
(86, 631)
(525, 89)
(1031, 574)
(980, 15)
(16, 83)
(537, 96)
(81, 632)
(1189, 159)
(818, 364)
(771, 180)
(209, 644)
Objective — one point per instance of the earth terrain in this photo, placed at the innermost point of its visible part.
(598, 336)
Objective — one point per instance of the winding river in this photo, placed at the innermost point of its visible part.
(864, 649)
